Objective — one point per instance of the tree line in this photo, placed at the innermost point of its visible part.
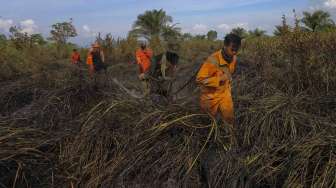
(157, 23)
(156, 26)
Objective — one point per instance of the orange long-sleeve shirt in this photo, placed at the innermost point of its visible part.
(211, 73)
(75, 57)
(214, 77)
(143, 58)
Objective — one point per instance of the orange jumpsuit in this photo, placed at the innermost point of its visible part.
(214, 77)
(75, 58)
(143, 58)
(89, 62)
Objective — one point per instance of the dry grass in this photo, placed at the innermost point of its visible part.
(56, 130)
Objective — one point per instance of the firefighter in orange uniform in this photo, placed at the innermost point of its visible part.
(215, 77)
(143, 59)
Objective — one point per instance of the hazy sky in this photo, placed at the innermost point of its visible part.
(117, 16)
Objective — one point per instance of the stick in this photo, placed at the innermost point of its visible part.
(125, 89)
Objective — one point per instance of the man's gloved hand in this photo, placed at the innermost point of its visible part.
(224, 78)
(142, 76)
(234, 58)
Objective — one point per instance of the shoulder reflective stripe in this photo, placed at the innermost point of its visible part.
(224, 65)
(213, 61)
(226, 71)
(206, 81)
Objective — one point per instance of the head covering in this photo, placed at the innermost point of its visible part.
(143, 45)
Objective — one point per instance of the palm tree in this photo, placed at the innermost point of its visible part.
(187, 36)
(171, 32)
(240, 32)
(154, 24)
(2, 37)
(317, 21)
(200, 37)
(257, 33)
(212, 35)
(283, 29)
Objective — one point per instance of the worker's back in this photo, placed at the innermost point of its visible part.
(162, 71)
(164, 62)
(97, 60)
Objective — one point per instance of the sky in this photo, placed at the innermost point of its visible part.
(117, 16)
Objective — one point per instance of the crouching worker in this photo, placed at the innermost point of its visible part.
(215, 77)
(163, 71)
(143, 59)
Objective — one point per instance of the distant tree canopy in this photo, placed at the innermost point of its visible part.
(282, 29)
(61, 32)
(257, 33)
(15, 33)
(187, 36)
(155, 24)
(200, 37)
(240, 32)
(317, 21)
(21, 39)
(3, 37)
(212, 35)
(37, 39)
(3, 40)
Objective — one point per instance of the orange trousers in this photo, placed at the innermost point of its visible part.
(219, 103)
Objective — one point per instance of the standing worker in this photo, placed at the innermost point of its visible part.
(75, 57)
(215, 77)
(96, 60)
(76, 60)
(96, 63)
(143, 58)
(163, 71)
